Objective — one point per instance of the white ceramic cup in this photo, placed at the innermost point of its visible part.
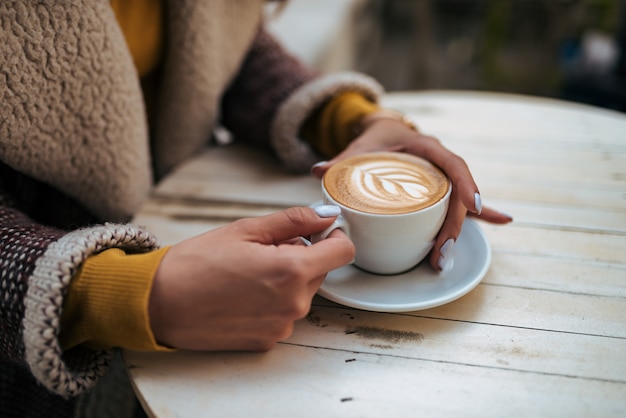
(388, 244)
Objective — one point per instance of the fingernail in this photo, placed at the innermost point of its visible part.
(321, 163)
(478, 203)
(327, 211)
(446, 262)
(446, 248)
(507, 215)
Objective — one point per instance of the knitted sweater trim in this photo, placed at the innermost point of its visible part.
(76, 370)
(294, 152)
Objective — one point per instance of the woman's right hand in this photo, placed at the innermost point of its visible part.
(242, 286)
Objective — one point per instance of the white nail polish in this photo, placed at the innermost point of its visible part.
(321, 163)
(446, 248)
(478, 203)
(445, 264)
(327, 211)
(445, 261)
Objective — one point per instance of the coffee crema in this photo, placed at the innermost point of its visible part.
(386, 183)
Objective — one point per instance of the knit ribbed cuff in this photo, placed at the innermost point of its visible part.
(107, 304)
(294, 152)
(76, 370)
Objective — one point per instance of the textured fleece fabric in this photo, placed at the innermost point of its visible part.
(76, 151)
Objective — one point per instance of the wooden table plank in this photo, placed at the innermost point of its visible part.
(510, 116)
(537, 309)
(541, 194)
(557, 275)
(563, 216)
(559, 243)
(544, 334)
(533, 151)
(422, 337)
(292, 380)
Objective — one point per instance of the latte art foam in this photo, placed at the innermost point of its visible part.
(386, 183)
(381, 183)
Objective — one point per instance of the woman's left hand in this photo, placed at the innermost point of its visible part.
(382, 133)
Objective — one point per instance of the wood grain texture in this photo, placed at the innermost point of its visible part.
(543, 334)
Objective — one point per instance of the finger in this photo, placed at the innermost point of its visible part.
(284, 225)
(365, 143)
(315, 283)
(441, 255)
(493, 216)
(463, 182)
(455, 168)
(292, 241)
(319, 169)
(329, 254)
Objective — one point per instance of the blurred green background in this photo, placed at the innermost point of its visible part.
(569, 49)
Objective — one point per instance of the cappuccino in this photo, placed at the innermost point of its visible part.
(386, 183)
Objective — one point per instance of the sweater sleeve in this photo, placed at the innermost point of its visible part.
(107, 302)
(274, 94)
(37, 264)
(334, 125)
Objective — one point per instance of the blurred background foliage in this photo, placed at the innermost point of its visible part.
(570, 49)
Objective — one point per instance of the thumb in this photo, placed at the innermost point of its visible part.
(289, 223)
(319, 169)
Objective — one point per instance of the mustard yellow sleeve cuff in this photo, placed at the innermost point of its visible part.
(107, 302)
(331, 128)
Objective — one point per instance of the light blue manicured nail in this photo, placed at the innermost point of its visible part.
(445, 264)
(321, 163)
(327, 211)
(447, 247)
(478, 203)
(445, 261)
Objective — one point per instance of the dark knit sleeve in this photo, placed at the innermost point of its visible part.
(274, 93)
(22, 242)
(37, 263)
(267, 77)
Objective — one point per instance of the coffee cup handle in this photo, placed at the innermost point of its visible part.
(340, 223)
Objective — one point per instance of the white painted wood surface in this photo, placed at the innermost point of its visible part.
(544, 334)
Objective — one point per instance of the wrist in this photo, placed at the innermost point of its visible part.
(384, 114)
(107, 303)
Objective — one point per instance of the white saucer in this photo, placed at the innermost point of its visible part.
(420, 288)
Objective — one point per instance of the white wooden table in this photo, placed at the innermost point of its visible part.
(543, 334)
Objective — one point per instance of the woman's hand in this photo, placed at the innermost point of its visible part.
(388, 134)
(242, 286)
